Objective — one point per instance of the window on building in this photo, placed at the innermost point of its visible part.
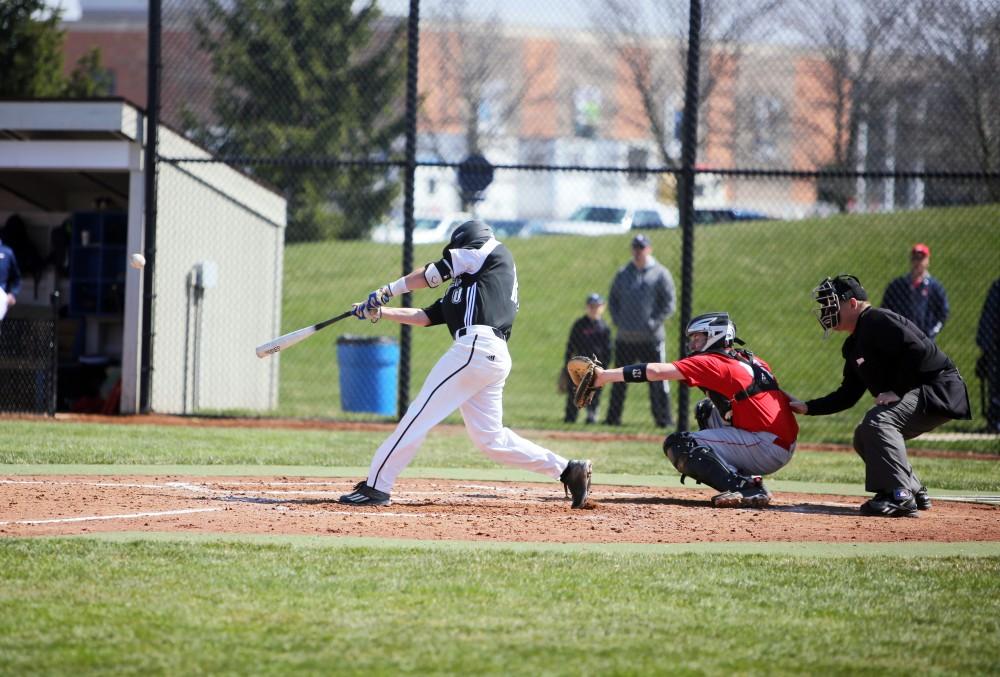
(489, 115)
(638, 159)
(768, 116)
(673, 125)
(586, 112)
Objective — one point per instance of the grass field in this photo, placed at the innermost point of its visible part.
(762, 272)
(176, 607)
(44, 443)
(209, 604)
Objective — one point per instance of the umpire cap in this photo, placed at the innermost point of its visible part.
(849, 287)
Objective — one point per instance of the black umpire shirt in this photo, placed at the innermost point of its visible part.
(886, 352)
(483, 291)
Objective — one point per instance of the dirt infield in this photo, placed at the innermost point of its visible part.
(456, 510)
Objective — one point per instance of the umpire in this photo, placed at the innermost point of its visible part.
(916, 388)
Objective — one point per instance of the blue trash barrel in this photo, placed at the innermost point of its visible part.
(368, 373)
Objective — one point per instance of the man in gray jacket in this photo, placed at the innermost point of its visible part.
(642, 297)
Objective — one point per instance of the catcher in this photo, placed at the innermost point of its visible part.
(746, 427)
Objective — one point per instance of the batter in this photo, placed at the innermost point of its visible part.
(479, 308)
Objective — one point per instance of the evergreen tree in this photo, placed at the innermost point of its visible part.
(304, 79)
(30, 50)
(31, 57)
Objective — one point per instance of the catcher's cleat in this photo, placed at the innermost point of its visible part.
(752, 495)
(922, 499)
(576, 481)
(365, 495)
(897, 503)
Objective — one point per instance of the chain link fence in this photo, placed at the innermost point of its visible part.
(28, 365)
(307, 149)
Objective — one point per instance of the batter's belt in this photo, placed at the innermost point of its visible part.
(481, 329)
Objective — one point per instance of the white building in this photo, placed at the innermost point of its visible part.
(218, 255)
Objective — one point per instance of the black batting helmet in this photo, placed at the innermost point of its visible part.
(469, 235)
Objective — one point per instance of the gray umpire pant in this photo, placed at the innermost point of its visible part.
(880, 440)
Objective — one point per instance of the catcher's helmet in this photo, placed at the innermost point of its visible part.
(718, 328)
(470, 234)
(829, 293)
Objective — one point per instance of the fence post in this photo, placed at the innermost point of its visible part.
(54, 353)
(149, 167)
(689, 148)
(412, 55)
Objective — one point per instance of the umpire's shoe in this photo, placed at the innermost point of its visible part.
(576, 481)
(896, 503)
(922, 499)
(365, 495)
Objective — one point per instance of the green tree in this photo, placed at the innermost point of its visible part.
(89, 78)
(31, 56)
(304, 79)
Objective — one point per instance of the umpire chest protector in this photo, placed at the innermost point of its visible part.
(763, 380)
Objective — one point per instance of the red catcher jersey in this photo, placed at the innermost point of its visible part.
(764, 412)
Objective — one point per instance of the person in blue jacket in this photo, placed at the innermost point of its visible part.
(917, 296)
(10, 279)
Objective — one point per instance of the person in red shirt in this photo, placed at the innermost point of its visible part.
(747, 428)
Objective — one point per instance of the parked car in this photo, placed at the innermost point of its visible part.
(508, 228)
(709, 216)
(608, 220)
(426, 229)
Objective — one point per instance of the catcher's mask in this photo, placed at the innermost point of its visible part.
(829, 294)
(719, 330)
(469, 233)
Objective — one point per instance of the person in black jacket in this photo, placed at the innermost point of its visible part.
(915, 385)
(590, 336)
(988, 364)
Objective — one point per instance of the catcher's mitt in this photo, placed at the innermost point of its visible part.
(582, 371)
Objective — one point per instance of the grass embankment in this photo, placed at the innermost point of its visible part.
(47, 443)
(761, 272)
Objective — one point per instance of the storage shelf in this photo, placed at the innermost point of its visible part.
(97, 263)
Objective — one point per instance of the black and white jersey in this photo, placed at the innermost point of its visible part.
(483, 288)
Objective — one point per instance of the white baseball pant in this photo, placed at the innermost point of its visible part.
(470, 377)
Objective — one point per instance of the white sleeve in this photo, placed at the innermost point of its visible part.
(471, 260)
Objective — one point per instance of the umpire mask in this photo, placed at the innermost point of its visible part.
(829, 293)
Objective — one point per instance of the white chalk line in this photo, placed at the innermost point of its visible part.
(528, 492)
(134, 515)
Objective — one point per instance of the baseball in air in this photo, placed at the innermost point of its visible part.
(137, 260)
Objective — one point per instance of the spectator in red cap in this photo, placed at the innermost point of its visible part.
(917, 296)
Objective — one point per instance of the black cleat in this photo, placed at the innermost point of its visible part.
(365, 495)
(922, 499)
(897, 503)
(753, 494)
(576, 481)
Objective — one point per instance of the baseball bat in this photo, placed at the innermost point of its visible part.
(290, 339)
